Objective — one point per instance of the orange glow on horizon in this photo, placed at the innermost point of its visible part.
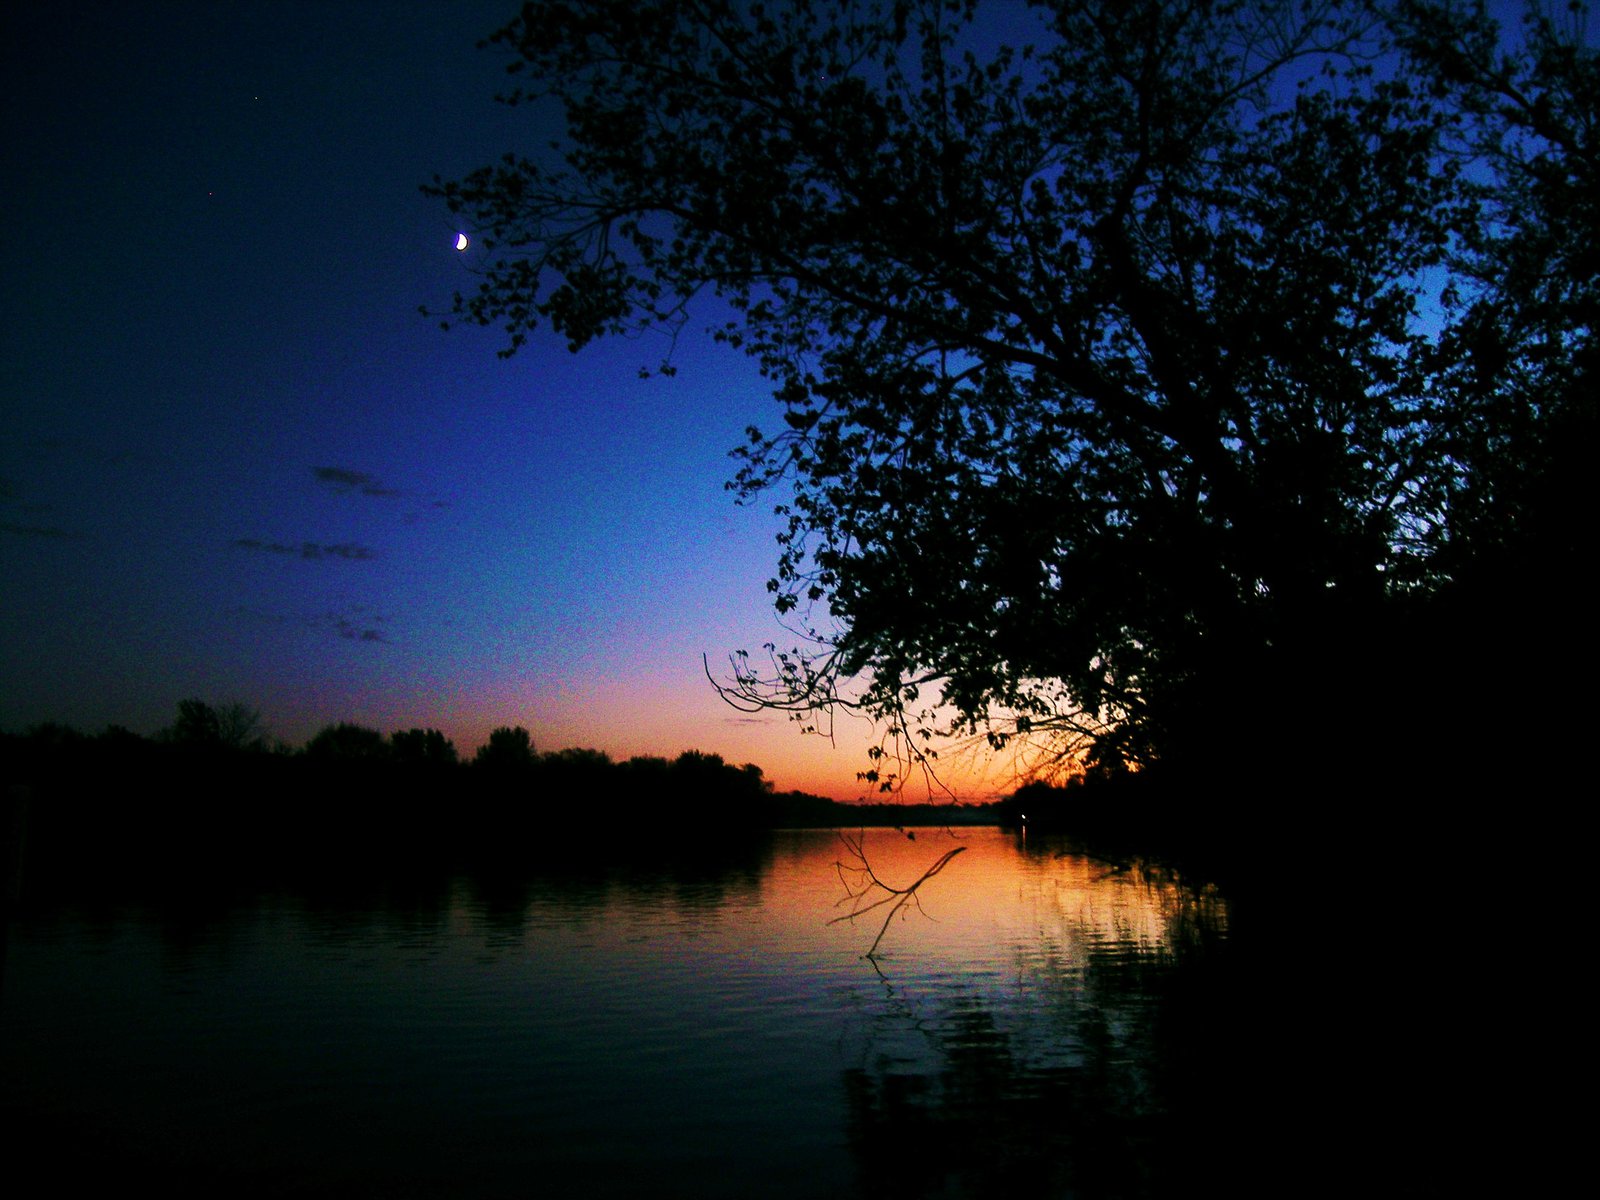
(656, 716)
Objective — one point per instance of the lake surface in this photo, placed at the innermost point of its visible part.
(1044, 1026)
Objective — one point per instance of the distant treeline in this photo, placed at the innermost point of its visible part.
(214, 786)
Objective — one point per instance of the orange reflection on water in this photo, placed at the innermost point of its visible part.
(1000, 891)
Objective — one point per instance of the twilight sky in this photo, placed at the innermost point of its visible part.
(236, 463)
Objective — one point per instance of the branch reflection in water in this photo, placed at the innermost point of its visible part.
(862, 887)
(1070, 1073)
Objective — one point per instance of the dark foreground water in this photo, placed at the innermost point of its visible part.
(1045, 1027)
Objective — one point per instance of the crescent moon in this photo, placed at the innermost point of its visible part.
(462, 241)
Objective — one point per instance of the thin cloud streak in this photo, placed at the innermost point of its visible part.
(355, 632)
(38, 531)
(355, 624)
(344, 479)
(348, 480)
(310, 551)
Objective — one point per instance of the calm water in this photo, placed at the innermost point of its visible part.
(1044, 1026)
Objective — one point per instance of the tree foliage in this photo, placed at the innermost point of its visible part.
(1141, 364)
(509, 749)
(231, 726)
(347, 742)
(427, 748)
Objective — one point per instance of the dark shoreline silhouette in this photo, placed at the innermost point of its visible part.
(189, 805)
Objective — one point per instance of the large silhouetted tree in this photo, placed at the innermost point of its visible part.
(509, 748)
(1147, 369)
(347, 742)
(231, 726)
(422, 748)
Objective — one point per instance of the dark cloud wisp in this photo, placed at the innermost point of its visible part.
(312, 551)
(356, 623)
(343, 479)
(38, 531)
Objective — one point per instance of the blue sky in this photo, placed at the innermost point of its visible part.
(236, 463)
